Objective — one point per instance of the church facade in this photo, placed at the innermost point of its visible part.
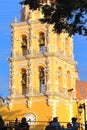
(42, 72)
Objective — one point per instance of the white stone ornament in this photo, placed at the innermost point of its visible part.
(31, 118)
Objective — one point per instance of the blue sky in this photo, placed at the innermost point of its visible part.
(9, 9)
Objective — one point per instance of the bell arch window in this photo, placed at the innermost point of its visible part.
(42, 42)
(24, 45)
(41, 79)
(23, 81)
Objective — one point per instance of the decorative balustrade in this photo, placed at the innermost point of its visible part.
(69, 93)
(42, 51)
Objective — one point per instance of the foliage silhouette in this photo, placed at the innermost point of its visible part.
(66, 15)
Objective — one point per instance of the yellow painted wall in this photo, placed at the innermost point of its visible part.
(59, 66)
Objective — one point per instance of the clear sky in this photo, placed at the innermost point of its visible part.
(9, 9)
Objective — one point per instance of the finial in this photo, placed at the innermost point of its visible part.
(15, 20)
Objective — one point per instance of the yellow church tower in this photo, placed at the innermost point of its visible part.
(42, 71)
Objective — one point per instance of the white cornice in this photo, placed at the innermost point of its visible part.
(26, 23)
(50, 54)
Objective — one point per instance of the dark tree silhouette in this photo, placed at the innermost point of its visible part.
(66, 15)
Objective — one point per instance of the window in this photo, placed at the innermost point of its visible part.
(24, 45)
(23, 81)
(41, 76)
(42, 48)
(42, 42)
(24, 42)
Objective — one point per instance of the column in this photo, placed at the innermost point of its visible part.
(30, 39)
(12, 88)
(29, 46)
(73, 84)
(47, 38)
(65, 86)
(54, 108)
(65, 77)
(29, 79)
(57, 84)
(13, 53)
(47, 72)
(63, 46)
(70, 44)
(27, 73)
(55, 43)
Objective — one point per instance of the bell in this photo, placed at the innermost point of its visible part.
(24, 43)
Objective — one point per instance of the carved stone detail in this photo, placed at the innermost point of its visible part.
(29, 103)
(48, 101)
(47, 70)
(29, 77)
(13, 42)
(30, 39)
(10, 105)
(47, 38)
(12, 89)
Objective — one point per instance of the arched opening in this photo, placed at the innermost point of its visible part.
(24, 81)
(24, 45)
(42, 42)
(41, 79)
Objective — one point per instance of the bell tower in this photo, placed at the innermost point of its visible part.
(42, 69)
